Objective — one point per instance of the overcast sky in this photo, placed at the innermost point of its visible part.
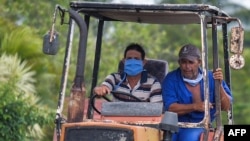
(136, 1)
(245, 3)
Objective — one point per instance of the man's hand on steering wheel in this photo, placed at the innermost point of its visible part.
(101, 90)
(118, 95)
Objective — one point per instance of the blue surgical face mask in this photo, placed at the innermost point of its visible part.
(133, 67)
(194, 82)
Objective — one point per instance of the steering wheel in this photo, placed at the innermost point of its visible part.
(118, 95)
(125, 97)
(92, 100)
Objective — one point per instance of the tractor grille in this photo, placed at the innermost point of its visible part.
(98, 134)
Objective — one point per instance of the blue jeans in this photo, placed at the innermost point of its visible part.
(188, 134)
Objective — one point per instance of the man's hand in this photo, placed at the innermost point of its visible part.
(218, 75)
(200, 106)
(101, 90)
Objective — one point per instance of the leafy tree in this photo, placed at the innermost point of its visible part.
(21, 117)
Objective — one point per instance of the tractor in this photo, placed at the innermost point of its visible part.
(91, 118)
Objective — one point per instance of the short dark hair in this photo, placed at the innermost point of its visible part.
(137, 47)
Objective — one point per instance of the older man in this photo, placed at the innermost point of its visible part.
(183, 92)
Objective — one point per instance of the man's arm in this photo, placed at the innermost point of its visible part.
(182, 109)
(225, 99)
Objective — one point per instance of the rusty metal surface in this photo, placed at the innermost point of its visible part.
(76, 104)
(237, 34)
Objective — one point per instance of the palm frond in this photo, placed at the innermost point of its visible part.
(14, 70)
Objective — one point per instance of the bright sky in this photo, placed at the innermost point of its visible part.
(135, 1)
(245, 3)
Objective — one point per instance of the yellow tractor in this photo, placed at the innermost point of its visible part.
(94, 119)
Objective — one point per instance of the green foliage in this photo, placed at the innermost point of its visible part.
(240, 87)
(18, 40)
(21, 118)
(30, 13)
(18, 73)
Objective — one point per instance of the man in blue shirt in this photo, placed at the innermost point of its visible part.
(183, 92)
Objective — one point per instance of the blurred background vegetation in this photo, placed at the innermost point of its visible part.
(30, 80)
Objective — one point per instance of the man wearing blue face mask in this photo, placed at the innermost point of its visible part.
(133, 79)
(183, 92)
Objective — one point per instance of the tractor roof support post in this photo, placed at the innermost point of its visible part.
(66, 63)
(96, 64)
(227, 69)
(204, 52)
